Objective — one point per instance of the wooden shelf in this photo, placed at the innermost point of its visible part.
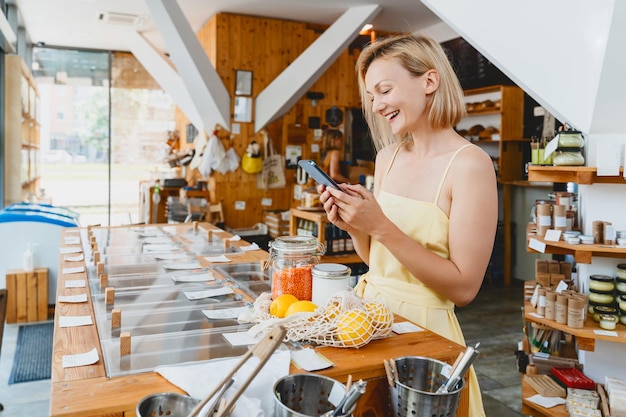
(581, 175)
(585, 336)
(350, 258)
(582, 253)
(319, 217)
(532, 409)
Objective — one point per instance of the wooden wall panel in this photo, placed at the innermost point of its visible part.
(267, 47)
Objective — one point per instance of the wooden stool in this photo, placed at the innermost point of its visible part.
(27, 295)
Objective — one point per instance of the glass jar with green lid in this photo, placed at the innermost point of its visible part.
(608, 321)
(568, 157)
(571, 139)
(601, 297)
(603, 310)
(604, 283)
(620, 285)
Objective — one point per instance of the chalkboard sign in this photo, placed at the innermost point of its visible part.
(472, 68)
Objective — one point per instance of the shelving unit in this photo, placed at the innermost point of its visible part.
(535, 410)
(581, 175)
(582, 253)
(506, 148)
(319, 217)
(585, 339)
(586, 336)
(21, 131)
(507, 115)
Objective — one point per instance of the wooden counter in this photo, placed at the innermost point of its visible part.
(87, 391)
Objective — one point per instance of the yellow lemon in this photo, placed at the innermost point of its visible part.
(302, 306)
(354, 327)
(378, 312)
(332, 311)
(280, 305)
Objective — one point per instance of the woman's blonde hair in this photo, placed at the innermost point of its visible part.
(418, 54)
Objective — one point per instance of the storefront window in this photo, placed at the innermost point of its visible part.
(111, 136)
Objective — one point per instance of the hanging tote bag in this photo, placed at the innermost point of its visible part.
(252, 162)
(273, 173)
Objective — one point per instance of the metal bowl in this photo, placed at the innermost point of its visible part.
(167, 404)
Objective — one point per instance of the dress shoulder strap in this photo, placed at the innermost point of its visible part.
(393, 158)
(445, 173)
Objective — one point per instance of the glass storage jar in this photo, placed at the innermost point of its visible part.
(601, 283)
(621, 271)
(291, 259)
(620, 285)
(608, 321)
(601, 297)
(568, 157)
(329, 279)
(571, 139)
(603, 311)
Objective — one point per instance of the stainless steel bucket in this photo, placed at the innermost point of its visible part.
(306, 395)
(166, 404)
(414, 393)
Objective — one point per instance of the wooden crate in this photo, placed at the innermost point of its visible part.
(277, 223)
(27, 295)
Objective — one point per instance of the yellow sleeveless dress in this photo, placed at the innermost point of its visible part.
(390, 282)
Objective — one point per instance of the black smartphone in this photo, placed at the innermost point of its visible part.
(318, 173)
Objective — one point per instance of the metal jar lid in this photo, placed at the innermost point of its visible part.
(331, 271)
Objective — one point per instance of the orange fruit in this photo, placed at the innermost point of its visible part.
(302, 306)
(280, 305)
(354, 327)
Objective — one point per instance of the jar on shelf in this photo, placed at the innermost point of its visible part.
(603, 311)
(571, 139)
(608, 321)
(605, 298)
(602, 283)
(620, 280)
(291, 259)
(568, 157)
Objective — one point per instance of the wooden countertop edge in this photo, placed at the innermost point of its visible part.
(102, 396)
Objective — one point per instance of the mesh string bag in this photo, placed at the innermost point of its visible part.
(346, 320)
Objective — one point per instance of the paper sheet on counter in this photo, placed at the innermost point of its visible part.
(74, 270)
(81, 359)
(74, 321)
(201, 277)
(70, 249)
(78, 298)
(197, 295)
(220, 258)
(198, 379)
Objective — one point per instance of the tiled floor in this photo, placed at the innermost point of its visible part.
(494, 319)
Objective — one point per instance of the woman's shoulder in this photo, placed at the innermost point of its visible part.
(470, 159)
(385, 153)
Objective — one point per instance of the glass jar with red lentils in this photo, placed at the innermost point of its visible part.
(291, 260)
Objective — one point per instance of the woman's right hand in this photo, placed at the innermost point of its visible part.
(328, 202)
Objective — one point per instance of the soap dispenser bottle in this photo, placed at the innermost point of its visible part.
(28, 259)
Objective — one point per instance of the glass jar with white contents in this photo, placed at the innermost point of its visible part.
(329, 279)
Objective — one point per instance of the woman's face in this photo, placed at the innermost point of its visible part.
(397, 95)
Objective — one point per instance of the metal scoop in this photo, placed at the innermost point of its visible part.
(459, 369)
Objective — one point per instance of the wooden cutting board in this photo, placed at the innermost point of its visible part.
(545, 386)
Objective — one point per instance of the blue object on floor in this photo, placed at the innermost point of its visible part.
(33, 353)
